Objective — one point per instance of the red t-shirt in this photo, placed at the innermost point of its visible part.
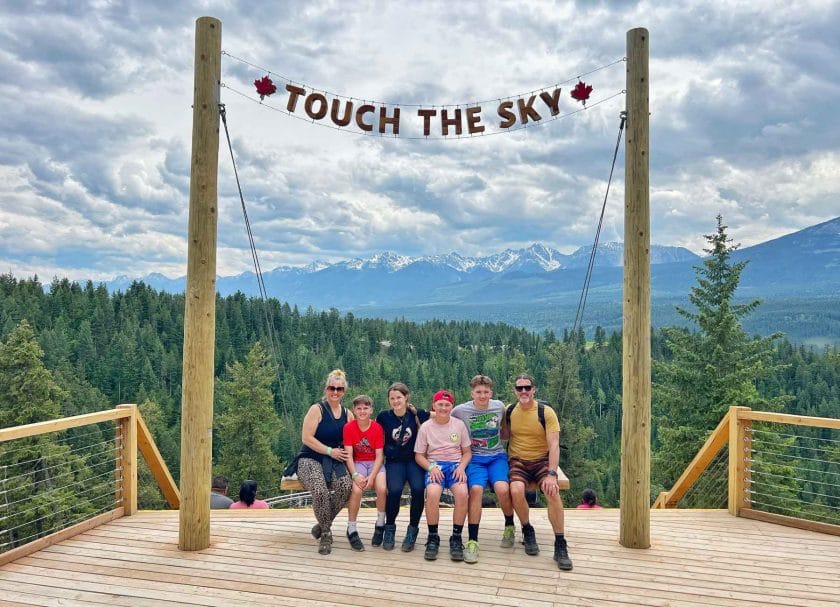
(364, 443)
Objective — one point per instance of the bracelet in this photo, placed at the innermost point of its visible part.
(432, 466)
(329, 451)
(354, 475)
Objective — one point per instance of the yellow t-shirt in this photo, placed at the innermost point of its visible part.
(527, 436)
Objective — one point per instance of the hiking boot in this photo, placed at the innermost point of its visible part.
(355, 541)
(456, 548)
(389, 537)
(471, 552)
(316, 531)
(432, 547)
(378, 532)
(509, 536)
(529, 538)
(561, 555)
(410, 538)
(325, 543)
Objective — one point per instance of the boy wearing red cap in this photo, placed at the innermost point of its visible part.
(443, 450)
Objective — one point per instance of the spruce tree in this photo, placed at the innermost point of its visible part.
(248, 426)
(712, 366)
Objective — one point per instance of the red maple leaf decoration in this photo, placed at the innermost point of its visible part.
(581, 92)
(265, 87)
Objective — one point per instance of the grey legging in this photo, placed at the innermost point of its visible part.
(327, 500)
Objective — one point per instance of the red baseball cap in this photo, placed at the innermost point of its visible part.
(443, 395)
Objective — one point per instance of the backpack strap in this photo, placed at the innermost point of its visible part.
(541, 412)
(508, 412)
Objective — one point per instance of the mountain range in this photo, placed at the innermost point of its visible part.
(539, 287)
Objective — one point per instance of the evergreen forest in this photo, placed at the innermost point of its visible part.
(77, 348)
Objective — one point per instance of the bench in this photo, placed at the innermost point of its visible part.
(292, 483)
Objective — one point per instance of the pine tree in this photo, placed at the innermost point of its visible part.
(711, 368)
(248, 426)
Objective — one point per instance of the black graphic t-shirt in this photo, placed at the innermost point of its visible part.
(392, 425)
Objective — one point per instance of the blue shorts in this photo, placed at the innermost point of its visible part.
(448, 468)
(487, 468)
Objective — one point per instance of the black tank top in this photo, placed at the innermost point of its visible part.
(330, 431)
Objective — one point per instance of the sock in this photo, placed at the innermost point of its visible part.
(380, 519)
(433, 529)
(351, 527)
(559, 539)
(457, 530)
(508, 520)
(472, 530)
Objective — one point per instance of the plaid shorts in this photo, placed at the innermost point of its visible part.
(528, 470)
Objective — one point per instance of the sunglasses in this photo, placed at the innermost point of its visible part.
(523, 388)
(336, 388)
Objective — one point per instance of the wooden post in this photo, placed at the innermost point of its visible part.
(739, 451)
(635, 425)
(128, 459)
(200, 295)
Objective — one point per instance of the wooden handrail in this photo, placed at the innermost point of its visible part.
(64, 423)
(786, 418)
(717, 439)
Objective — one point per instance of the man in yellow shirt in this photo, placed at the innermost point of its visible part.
(533, 432)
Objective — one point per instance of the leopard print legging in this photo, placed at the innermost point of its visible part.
(327, 500)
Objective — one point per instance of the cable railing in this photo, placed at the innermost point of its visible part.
(779, 468)
(61, 477)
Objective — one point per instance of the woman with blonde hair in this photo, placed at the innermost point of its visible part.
(321, 465)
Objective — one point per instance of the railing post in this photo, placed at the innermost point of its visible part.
(739, 452)
(128, 455)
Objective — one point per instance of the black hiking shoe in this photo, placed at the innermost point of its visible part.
(410, 538)
(456, 548)
(378, 532)
(561, 555)
(529, 538)
(355, 541)
(389, 537)
(432, 547)
(325, 543)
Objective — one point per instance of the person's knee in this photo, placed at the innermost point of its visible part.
(501, 489)
(517, 489)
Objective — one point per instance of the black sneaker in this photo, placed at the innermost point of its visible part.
(410, 538)
(316, 531)
(355, 541)
(456, 548)
(389, 538)
(561, 555)
(529, 538)
(378, 532)
(432, 547)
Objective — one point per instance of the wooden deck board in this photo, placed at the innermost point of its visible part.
(697, 558)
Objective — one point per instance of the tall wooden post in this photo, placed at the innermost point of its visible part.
(200, 296)
(635, 425)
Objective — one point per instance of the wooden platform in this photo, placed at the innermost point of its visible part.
(698, 558)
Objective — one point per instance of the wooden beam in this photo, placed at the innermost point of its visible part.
(738, 454)
(160, 471)
(58, 536)
(128, 459)
(717, 439)
(200, 295)
(635, 424)
(57, 425)
(794, 420)
(790, 521)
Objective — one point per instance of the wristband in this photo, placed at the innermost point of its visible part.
(329, 451)
(432, 466)
(354, 475)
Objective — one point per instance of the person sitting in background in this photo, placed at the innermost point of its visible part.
(218, 494)
(588, 499)
(248, 498)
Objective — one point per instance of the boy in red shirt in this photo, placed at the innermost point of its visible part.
(364, 441)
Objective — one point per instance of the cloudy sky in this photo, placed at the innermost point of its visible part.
(95, 144)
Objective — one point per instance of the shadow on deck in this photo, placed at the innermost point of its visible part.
(697, 558)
